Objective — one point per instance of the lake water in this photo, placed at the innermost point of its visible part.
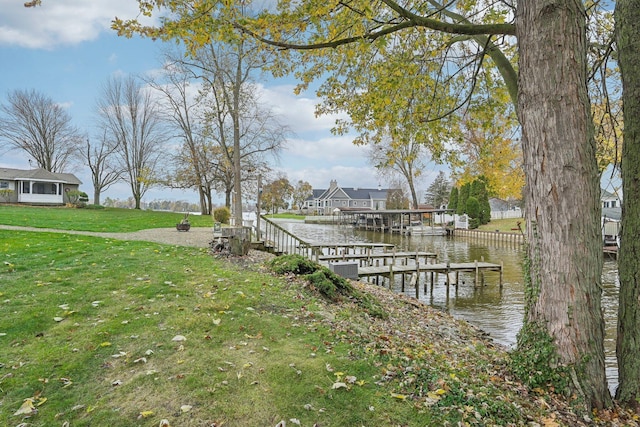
(499, 312)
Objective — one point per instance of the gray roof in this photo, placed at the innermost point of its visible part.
(612, 213)
(38, 175)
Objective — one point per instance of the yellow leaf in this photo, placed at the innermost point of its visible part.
(145, 414)
(27, 408)
(105, 344)
(433, 396)
(399, 396)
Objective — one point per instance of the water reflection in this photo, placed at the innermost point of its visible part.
(498, 311)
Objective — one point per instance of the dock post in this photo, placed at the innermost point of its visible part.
(447, 276)
(416, 283)
(391, 278)
(501, 268)
(475, 282)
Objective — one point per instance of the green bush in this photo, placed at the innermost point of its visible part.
(77, 198)
(6, 194)
(222, 215)
(294, 264)
(328, 284)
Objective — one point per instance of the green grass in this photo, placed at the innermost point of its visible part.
(286, 216)
(102, 220)
(504, 225)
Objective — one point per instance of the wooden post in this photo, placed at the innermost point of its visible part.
(391, 278)
(475, 282)
(416, 284)
(501, 268)
(447, 276)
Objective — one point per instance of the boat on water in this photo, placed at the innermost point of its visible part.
(417, 228)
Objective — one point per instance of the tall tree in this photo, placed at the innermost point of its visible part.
(301, 192)
(101, 162)
(628, 352)
(363, 41)
(276, 195)
(438, 192)
(179, 98)
(399, 156)
(34, 123)
(236, 119)
(562, 191)
(130, 118)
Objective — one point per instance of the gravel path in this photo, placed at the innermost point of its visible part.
(199, 237)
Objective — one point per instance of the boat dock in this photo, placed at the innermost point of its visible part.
(374, 259)
(450, 270)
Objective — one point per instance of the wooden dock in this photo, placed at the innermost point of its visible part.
(372, 259)
(450, 270)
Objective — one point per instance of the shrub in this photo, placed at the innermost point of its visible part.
(222, 215)
(328, 284)
(77, 198)
(6, 194)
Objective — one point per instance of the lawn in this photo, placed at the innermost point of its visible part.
(102, 220)
(509, 225)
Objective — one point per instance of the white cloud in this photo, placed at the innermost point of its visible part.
(298, 110)
(327, 148)
(59, 22)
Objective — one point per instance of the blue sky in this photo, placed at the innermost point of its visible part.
(65, 50)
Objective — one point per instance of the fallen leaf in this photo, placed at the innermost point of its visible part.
(179, 338)
(186, 408)
(338, 385)
(145, 414)
(27, 408)
(164, 423)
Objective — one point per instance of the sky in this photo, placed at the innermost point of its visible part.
(65, 50)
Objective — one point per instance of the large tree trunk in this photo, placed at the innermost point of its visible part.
(562, 191)
(628, 350)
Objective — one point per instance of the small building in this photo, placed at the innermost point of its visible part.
(37, 186)
(324, 202)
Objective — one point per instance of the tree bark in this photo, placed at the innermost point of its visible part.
(627, 16)
(562, 191)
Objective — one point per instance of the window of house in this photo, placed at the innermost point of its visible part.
(613, 203)
(4, 184)
(26, 188)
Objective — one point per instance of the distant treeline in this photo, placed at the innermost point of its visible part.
(154, 205)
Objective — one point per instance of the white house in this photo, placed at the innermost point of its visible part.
(323, 202)
(37, 186)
